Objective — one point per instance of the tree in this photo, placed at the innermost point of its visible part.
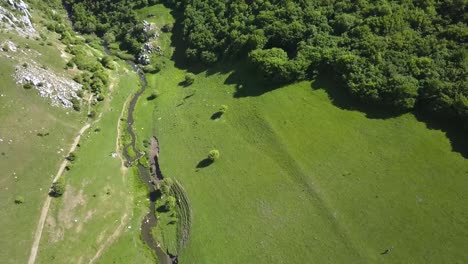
(189, 78)
(58, 188)
(71, 156)
(223, 109)
(213, 155)
(19, 199)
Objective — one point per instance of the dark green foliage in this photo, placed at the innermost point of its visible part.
(113, 19)
(58, 188)
(28, 86)
(76, 104)
(71, 156)
(400, 54)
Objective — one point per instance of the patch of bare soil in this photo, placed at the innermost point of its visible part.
(55, 232)
(71, 200)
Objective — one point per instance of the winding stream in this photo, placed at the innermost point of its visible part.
(149, 221)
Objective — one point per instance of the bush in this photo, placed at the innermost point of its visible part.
(166, 186)
(213, 155)
(71, 156)
(189, 78)
(58, 188)
(107, 62)
(76, 104)
(92, 114)
(19, 199)
(28, 86)
(223, 109)
(170, 203)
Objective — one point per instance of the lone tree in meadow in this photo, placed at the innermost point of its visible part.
(223, 109)
(213, 155)
(19, 199)
(189, 78)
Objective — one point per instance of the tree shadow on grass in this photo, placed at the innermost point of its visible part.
(248, 82)
(342, 99)
(453, 129)
(204, 163)
(216, 115)
(180, 46)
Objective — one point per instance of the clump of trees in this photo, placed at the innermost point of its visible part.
(398, 54)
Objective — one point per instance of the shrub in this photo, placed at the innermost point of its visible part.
(71, 156)
(213, 155)
(28, 86)
(58, 188)
(223, 109)
(107, 62)
(171, 203)
(166, 186)
(92, 114)
(19, 199)
(189, 78)
(153, 68)
(76, 104)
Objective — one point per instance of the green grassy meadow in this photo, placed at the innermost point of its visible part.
(301, 180)
(104, 203)
(28, 162)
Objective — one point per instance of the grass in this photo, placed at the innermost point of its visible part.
(28, 162)
(300, 179)
(101, 198)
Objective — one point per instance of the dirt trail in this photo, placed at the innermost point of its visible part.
(111, 239)
(45, 207)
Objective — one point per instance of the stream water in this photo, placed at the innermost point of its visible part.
(149, 221)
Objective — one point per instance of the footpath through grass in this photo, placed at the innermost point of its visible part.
(300, 180)
(103, 204)
(28, 161)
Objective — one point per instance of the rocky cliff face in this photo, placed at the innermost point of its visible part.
(16, 16)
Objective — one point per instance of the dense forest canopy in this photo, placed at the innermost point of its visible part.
(400, 54)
